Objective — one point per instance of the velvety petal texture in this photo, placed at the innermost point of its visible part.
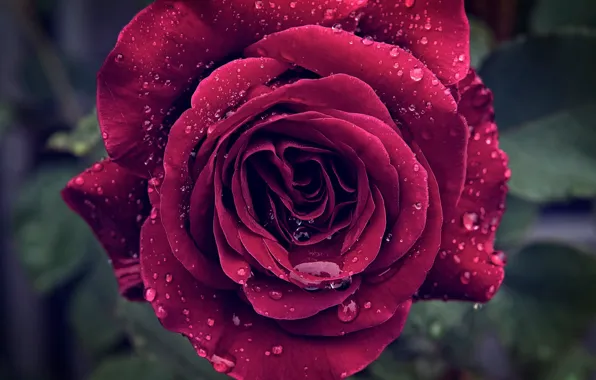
(302, 171)
(468, 267)
(114, 203)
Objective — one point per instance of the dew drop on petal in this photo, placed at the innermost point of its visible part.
(275, 294)
(150, 294)
(277, 350)
(169, 277)
(410, 3)
(347, 311)
(465, 277)
(416, 74)
(223, 364)
(470, 221)
(367, 41)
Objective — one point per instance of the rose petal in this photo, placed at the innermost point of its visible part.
(114, 203)
(402, 82)
(164, 51)
(407, 226)
(238, 341)
(468, 268)
(381, 295)
(436, 32)
(278, 299)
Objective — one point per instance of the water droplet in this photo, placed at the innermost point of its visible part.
(161, 312)
(342, 284)
(394, 52)
(491, 291)
(388, 237)
(277, 350)
(275, 294)
(465, 278)
(367, 41)
(423, 40)
(150, 294)
(337, 28)
(241, 272)
(293, 4)
(235, 320)
(347, 311)
(79, 181)
(97, 167)
(471, 221)
(119, 58)
(169, 277)
(223, 364)
(301, 234)
(461, 57)
(418, 205)
(499, 258)
(477, 306)
(210, 322)
(410, 3)
(259, 4)
(367, 305)
(416, 167)
(416, 74)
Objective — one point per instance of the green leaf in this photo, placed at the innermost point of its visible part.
(546, 304)
(131, 368)
(52, 240)
(151, 338)
(554, 158)
(576, 364)
(549, 15)
(482, 41)
(536, 78)
(80, 141)
(517, 220)
(93, 309)
(545, 100)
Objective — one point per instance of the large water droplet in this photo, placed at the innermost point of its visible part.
(367, 41)
(416, 74)
(499, 258)
(223, 364)
(161, 312)
(150, 294)
(277, 350)
(342, 284)
(259, 4)
(337, 28)
(410, 3)
(301, 234)
(471, 221)
(465, 277)
(275, 294)
(347, 311)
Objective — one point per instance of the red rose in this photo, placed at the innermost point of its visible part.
(283, 175)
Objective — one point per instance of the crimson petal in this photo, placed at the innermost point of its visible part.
(436, 32)
(468, 268)
(407, 87)
(164, 51)
(114, 203)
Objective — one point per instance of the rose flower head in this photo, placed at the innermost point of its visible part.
(286, 177)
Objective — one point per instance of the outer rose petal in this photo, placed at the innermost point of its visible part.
(403, 83)
(436, 32)
(164, 51)
(235, 339)
(468, 268)
(114, 203)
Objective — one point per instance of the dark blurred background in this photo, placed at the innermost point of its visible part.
(59, 315)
